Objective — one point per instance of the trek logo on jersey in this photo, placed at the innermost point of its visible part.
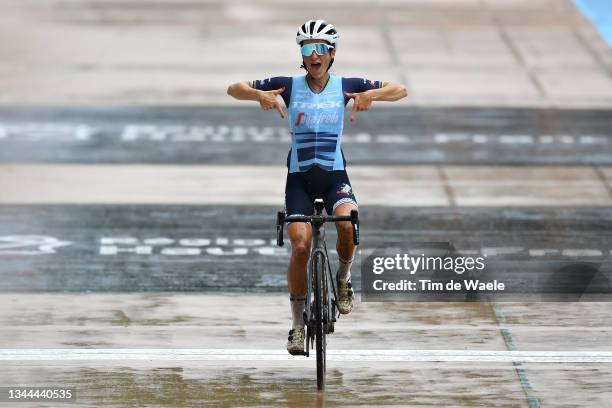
(320, 105)
(344, 189)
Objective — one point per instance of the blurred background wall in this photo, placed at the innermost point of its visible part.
(542, 53)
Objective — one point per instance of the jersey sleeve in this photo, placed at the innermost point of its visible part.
(356, 85)
(272, 83)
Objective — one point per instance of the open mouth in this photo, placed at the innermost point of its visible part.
(315, 65)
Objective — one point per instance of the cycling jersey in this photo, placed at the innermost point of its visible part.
(315, 162)
(316, 119)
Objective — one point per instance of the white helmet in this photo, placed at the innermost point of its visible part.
(317, 30)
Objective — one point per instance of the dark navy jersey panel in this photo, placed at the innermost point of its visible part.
(341, 152)
(350, 85)
(356, 85)
(273, 83)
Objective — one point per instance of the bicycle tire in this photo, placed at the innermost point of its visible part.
(319, 275)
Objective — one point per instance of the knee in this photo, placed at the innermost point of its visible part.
(345, 229)
(300, 249)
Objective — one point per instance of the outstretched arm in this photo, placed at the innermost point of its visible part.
(267, 99)
(362, 101)
(243, 91)
(390, 92)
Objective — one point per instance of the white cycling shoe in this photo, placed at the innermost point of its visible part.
(295, 342)
(346, 296)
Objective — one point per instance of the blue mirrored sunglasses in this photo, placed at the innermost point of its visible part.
(319, 48)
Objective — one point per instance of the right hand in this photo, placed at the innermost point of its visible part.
(268, 100)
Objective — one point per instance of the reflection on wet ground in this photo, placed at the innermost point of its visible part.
(175, 320)
(285, 386)
(292, 385)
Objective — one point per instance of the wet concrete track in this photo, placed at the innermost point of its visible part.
(206, 278)
(232, 248)
(384, 136)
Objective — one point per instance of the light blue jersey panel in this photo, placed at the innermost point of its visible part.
(316, 122)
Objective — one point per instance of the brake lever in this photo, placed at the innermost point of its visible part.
(355, 223)
(280, 222)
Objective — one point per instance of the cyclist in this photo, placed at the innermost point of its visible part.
(316, 163)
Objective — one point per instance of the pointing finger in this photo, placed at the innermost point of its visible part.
(280, 110)
(352, 118)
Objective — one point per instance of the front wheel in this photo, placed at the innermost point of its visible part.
(318, 275)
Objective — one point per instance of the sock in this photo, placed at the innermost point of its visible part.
(344, 270)
(297, 310)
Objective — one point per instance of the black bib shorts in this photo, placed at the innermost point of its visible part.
(303, 188)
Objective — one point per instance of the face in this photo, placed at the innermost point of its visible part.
(317, 64)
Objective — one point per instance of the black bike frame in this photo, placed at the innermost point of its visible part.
(319, 300)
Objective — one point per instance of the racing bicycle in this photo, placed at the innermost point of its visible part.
(320, 312)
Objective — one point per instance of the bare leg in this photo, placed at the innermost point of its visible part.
(344, 245)
(300, 234)
(346, 251)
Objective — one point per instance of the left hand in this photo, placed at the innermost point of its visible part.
(362, 101)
